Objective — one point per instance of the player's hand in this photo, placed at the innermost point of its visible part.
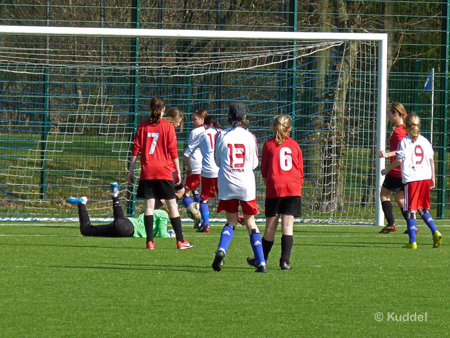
(188, 172)
(130, 178)
(177, 179)
(384, 172)
(432, 183)
(381, 154)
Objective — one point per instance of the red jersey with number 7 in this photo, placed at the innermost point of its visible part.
(157, 144)
(282, 166)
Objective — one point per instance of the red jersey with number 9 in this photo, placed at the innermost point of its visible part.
(282, 166)
(157, 144)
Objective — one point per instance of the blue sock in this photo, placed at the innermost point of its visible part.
(256, 242)
(196, 196)
(204, 211)
(187, 201)
(225, 237)
(411, 225)
(429, 221)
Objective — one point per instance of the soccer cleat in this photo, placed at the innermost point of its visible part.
(241, 219)
(437, 239)
(197, 224)
(182, 245)
(388, 229)
(252, 261)
(151, 245)
(410, 246)
(114, 189)
(285, 265)
(204, 228)
(406, 232)
(218, 260)
(74, 200)
(261, 268)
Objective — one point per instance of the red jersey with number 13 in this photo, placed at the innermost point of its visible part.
(157, 144)
(282, 166)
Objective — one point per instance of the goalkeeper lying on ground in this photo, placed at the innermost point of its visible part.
(121, 226)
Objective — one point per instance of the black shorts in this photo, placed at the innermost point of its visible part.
(289, 205)
(393, 184)
(156, 189)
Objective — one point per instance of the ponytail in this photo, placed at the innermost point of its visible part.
(157, 105)
(413, 123)
(282, 125)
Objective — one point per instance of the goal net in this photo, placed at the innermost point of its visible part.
(71, 99)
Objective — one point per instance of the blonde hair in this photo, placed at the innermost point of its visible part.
(282, 125)
(174, 116)
(413, 123)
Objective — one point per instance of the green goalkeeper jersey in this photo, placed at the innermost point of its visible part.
(160, 221)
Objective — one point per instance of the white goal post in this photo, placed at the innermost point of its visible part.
(293, 37)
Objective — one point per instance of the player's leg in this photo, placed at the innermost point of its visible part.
(255, 242)
(123, 227)
(249, 209)
(149, 206)
(390, 185)
(231, 208)
(400, 199)
(386, 205)
(175, 221)
(272, 216)
(410, 208)
(287, 241)
(268, 239)
(208, 189)
(86, 228)
(424, 204)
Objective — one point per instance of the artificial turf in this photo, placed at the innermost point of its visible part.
(56, 283)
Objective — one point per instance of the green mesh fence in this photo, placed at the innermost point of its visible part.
(36, 97)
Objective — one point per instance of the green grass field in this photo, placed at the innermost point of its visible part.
(56, 283)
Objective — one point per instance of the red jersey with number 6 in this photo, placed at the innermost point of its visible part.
(282, 166)
(157, 144)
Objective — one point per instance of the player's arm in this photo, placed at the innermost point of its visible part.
(433, 180)
(255, 152)
(187, 162)
(393, 165)
(264, 163)
(217, 150)
(176, 164)
(130, 177)
(188, 153)
(383, 154)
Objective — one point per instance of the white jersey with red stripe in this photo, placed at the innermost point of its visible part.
(205, 142)
(196, 158)
(415, 158)
(236, 155)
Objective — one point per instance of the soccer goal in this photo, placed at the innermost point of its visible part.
(71, 99)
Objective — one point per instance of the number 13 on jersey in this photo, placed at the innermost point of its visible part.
(237, 155)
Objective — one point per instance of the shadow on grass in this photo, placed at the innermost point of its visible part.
(202, 269)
